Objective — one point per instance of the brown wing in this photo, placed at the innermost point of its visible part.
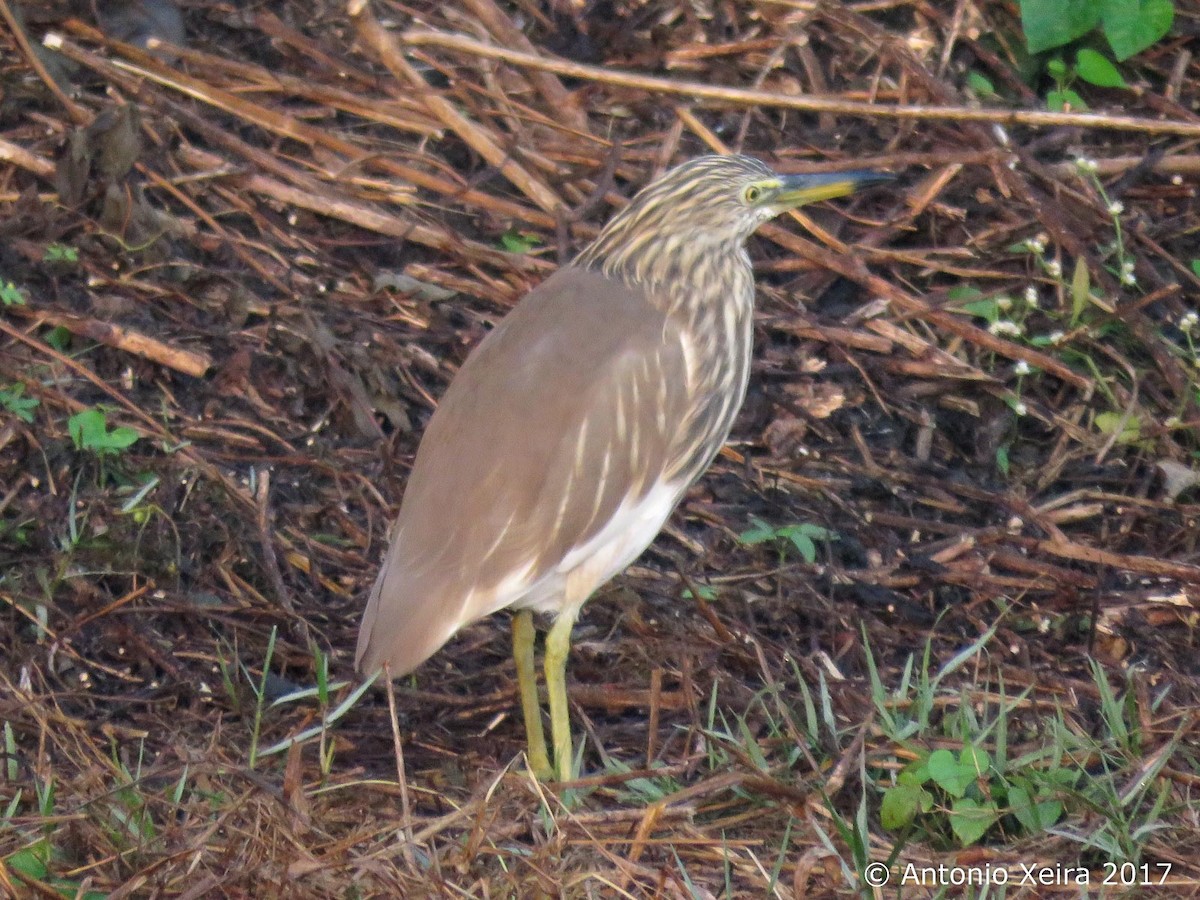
(570, 406)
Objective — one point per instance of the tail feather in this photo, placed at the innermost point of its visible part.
(402, 626)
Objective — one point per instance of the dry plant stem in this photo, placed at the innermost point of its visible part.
(385, 46)
(742, 97)
(656, 676)
(461, 194)
(613, 699)
(150, 424)
(31, 162)
(262, 500)
(357, 213)
(257, 265)
(323, 200)
(186, 361)
(1181, 164)
(406, 848)
(1147, 565)
(274, 27)
(910, 305)
(387, 112)
(399, 112)
(78, 114)
(700, 130)
(502, 28)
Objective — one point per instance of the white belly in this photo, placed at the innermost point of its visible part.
(595, 562)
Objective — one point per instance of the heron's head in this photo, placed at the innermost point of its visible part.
(708, 207)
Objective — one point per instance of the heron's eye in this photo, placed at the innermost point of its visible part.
(753, 194)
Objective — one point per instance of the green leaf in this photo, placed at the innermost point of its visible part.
(964, 292)
(519, 241)
(970, 820)
(120, 438)
(980, 85)
(802, 537)
(1109, 422)
(10, 294)
(1081, 282)
(947, 774)
(1057, 68)
(31, 861)
(901, 803)
(803, 543)
(816, 532)
(1133, 25)
(956, 775)
(984, 309)
(1034, 816)
(1095, 69)
(1021, 805)
(760, 533)
(1196, 267)
(61, 253)
(1002, 462)
(916, 772)
(1065, 100)
(1052, 23)
(89, 431)
(59, 338)
(15, 402)
(974, 761)
(751, 746)
(84, 426)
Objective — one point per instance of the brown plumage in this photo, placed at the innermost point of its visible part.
(573, 429)
(519, 435)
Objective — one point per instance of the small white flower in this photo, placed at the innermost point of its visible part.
(1054, 268)
(1172, 422)
(1035, 245)
(1004, 326)
(1004, 303)
(1056, 337)
(1020, 408)
(1188, 321)
(1022, 367)
(1031, 296)
(1116, 208)
(1086, 166)
(1128, 278)
(1127, 265)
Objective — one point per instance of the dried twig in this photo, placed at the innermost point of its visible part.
(742, 97)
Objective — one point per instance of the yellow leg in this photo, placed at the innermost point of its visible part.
(558, 645)
(523, 634)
